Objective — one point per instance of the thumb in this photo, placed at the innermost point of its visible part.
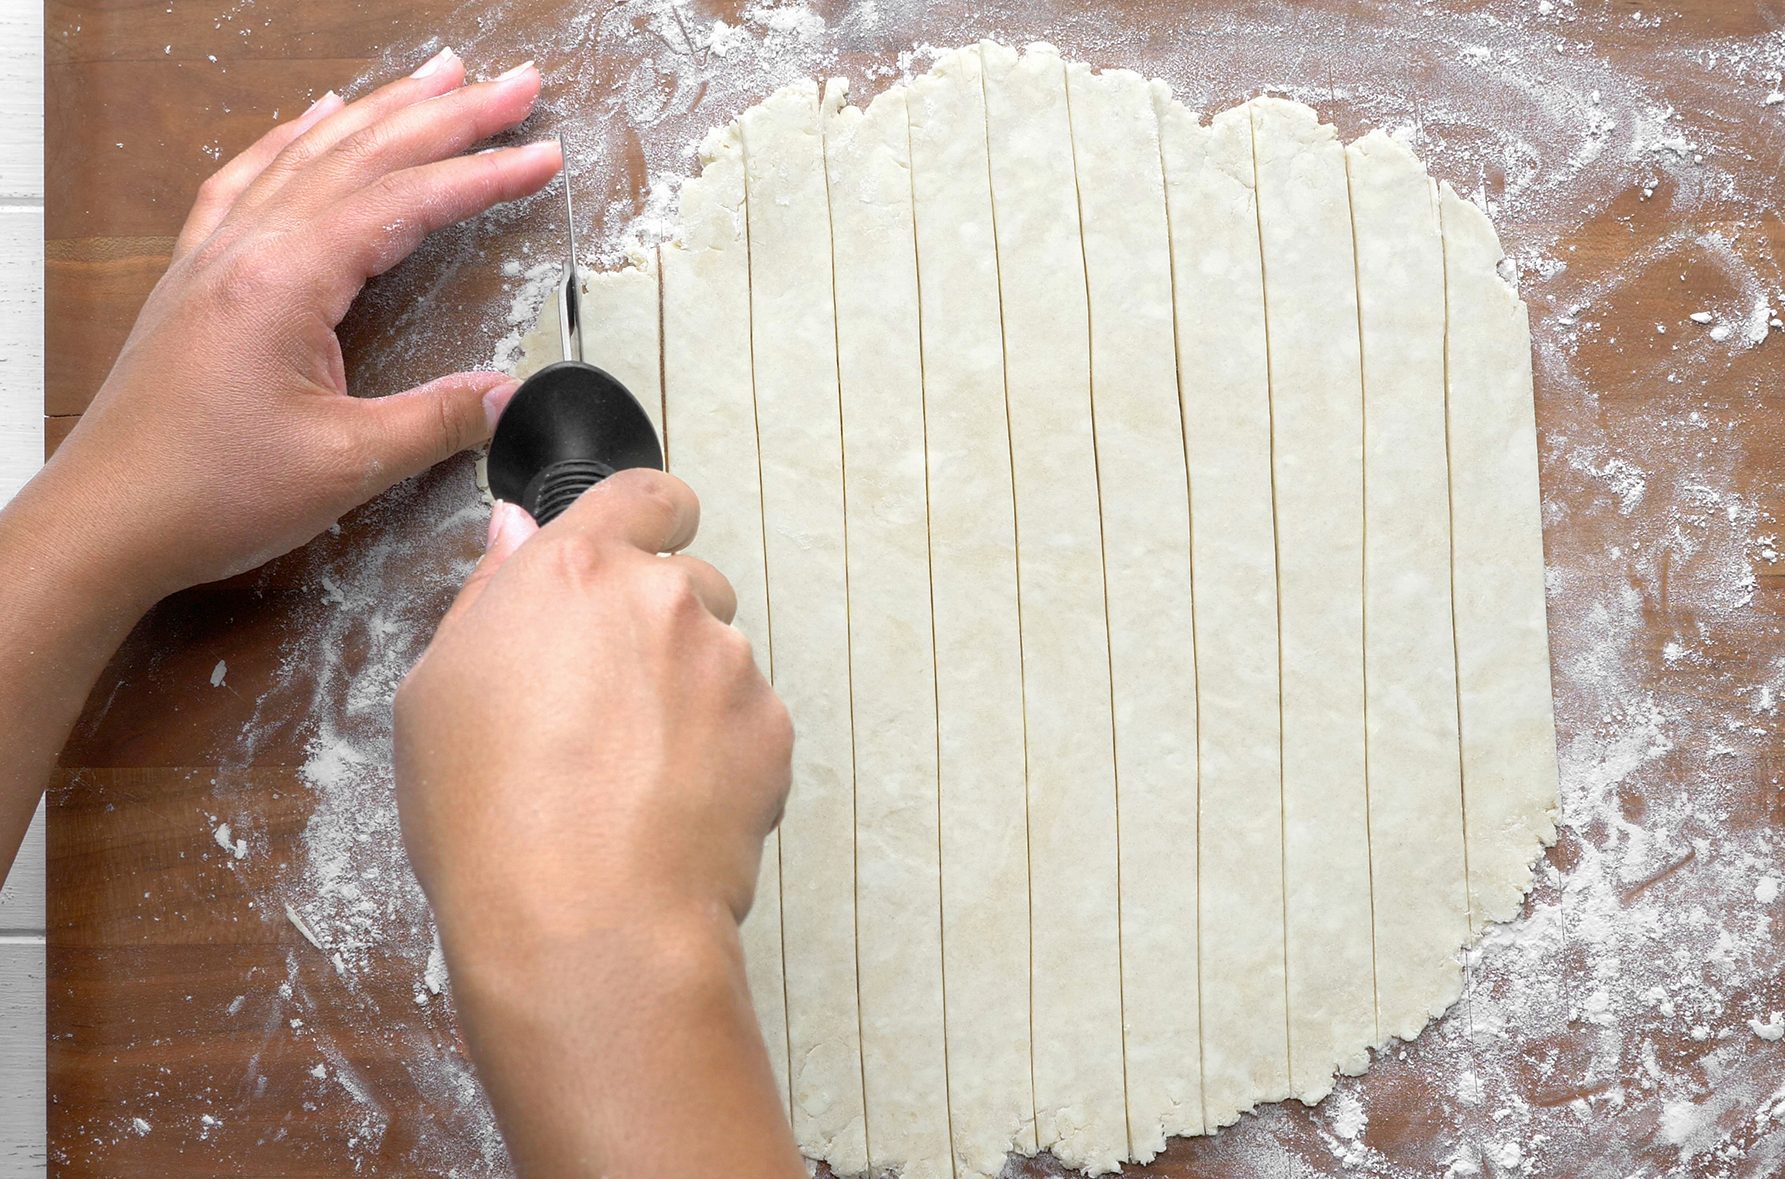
(510, 526)
(407, 433)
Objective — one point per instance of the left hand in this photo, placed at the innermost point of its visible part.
(224, 435)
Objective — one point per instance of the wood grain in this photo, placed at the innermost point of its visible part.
(154, 933)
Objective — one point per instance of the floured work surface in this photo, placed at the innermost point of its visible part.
(1620, 1028)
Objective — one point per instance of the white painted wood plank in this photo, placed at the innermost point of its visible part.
(22, 1057)
(21, 453)
(21, 101)
(21, 345)
(21, 897)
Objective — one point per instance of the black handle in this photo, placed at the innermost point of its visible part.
(569, 426)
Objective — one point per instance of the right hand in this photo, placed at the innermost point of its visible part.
(587, 744)
(587, 764)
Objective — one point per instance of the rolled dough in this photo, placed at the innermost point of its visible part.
(1224, 382)
(1140, 518)
(1416, 811)
(1077, 1056)
(987, 917)
(891, 644)
(1146, 543)
(1310, 317)
(794, 359)
(712, 417)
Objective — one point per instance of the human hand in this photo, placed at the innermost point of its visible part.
(224, 435)
(587, 762)
(586, 742)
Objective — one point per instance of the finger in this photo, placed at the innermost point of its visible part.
(418, 134)
(407, 433)
(218, 195)
(440, 74)
(710, 586)
(384, 223)
(510, 526)
(649, 509)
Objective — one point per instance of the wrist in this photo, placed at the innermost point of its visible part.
(63, 579)
(534, 970)
(536, 1013)
(633, 1044)
(62, 622)
(70, 518)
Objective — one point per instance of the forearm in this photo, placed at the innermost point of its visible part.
(635, 1056)
(64, 609)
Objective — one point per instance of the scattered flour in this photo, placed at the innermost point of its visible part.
(1772, 1028)
(237, 848)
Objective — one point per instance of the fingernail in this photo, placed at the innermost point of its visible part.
(542, 148)
(499, 514)
(319, 110)
(496, 400)
(516, 72)
(508, 524)
(433, 64)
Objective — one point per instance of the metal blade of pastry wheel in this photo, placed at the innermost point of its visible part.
(570, 292)
(570, 425)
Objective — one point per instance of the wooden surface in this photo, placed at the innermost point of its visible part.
(152, 934)
(21, 451)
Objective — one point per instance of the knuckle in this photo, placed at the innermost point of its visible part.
(295, 156)
(484, 180)
(576, 556)
(672, 589)
(650, 483)
(777, 728)
(212, 189)
(211, 252)
(736, 652)
(453, 431)
(298, 157)
(362, 149)
(389, 192)
(244, 277)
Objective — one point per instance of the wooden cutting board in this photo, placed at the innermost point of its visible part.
(152, 935)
